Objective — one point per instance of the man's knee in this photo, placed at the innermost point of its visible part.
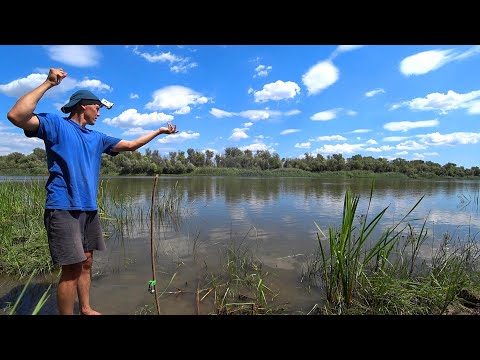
(72, 271)
(87, 263)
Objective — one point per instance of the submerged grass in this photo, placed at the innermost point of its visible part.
(240, 287)
(246, 290)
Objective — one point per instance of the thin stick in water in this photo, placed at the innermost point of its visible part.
(152, 252)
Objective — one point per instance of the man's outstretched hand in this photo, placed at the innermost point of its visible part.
(172, 129)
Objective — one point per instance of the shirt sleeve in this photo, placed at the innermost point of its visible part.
(48, 128)
(108, 143)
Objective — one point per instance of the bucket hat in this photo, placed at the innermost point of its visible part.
(84, 95)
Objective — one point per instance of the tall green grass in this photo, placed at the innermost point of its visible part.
(386, 275)
(344, 260)
(23, 239)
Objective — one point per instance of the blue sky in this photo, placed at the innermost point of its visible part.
(407, 101)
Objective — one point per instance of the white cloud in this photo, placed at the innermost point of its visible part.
(262, 70)
(220, 113)
(93, 84)
(380, 149)
(255, 115)
(292, 112)
(474, 108)
(136, 132)
(450, 139)
(408, 125)
(443, 103)
(425, 62)
(19, 87)
(278, 90)
(410, 145)
(339, 149)
(305, 145)
(344, 48)
(257, 147)
(175, 97)
(374, 92)
(289, 131)
(75, 55)
(134, 96)
(18, 142)
(329, 138)
(394, 138)
(320, 77)
(361, 131)
(179, 137)
(238, 134)
(183, 111)
(252, 115)
(324, 115)
(474, 50)
(131, 118)
(178, 64)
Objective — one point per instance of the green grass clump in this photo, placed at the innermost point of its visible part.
(23, 239)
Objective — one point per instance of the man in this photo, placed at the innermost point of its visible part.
(74, 156)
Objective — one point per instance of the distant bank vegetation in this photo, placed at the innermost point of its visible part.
(238, 162)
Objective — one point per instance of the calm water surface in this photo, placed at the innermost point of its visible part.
(273, 219)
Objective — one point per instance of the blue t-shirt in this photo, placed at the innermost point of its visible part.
(74, 156)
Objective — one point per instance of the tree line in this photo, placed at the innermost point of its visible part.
(180, 162)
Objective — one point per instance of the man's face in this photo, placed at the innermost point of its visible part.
(91, 113)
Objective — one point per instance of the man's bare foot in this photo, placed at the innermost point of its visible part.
(89, 312)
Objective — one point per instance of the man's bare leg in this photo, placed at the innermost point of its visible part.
(83, 287)
(67, 287)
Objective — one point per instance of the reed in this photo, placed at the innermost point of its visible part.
(168, 212)
(343, 262)
(388, 276)
(440, 289)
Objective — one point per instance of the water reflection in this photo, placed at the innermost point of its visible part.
(286, 208)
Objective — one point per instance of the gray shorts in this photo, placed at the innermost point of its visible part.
(71, 233)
